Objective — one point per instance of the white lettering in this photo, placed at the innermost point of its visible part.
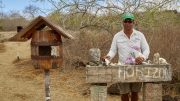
(129, 71)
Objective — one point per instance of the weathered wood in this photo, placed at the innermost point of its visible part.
(34, 51)
(46, 46)
(128, 73)
(38, 24)
(46, 49)
(98, 93)
(45, 57)
(46, 43)
(152, 92)
(47, 85)
(48, 36)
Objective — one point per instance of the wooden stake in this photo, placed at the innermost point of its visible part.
(47, 85)
(98, 92)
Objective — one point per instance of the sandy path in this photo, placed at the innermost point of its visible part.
(21, 82)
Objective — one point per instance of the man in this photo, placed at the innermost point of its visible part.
(132, 48)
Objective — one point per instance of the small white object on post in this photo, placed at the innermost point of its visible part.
(153, 91)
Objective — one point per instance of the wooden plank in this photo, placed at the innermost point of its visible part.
(45, 64)
(98, 93)
(47, 86)
(128, 73)
(46, 43)
(37, 24)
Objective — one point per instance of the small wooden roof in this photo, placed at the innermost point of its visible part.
(37, 24)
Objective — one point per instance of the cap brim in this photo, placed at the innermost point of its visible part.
(128, 18)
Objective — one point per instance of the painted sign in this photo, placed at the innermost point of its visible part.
(128, 73)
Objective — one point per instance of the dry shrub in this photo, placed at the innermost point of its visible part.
(4, 36)
(2, 48)
(161, 31)
(165, 40)
(77, 49)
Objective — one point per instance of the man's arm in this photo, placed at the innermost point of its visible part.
(113, 49)
(144, 47)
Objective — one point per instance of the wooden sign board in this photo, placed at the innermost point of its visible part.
(128, 73)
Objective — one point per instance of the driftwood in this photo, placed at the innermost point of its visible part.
(111, 75)
(128, 73)
(97, 75)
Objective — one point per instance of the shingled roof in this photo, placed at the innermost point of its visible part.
(37, 24)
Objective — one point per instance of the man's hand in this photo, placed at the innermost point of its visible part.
(106, 57)
(139, 60)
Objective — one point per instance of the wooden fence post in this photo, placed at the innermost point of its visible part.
(98, 92)
(47, 85)
(153, 91)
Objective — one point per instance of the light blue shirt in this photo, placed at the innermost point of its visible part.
(129, 49)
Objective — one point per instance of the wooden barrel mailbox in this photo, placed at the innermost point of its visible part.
(46, 45)
(46, 49)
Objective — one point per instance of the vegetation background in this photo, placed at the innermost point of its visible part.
(93, 23)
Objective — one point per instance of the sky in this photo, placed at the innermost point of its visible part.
(19, 5)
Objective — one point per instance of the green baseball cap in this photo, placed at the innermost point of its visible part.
(128, 15)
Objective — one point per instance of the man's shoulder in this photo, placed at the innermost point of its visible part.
(118, 34)
(138, 32)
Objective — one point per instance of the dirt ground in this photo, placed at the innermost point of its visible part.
(19, 81)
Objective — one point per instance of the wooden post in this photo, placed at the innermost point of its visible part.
(152, 92)
(47, 86)
(98, 92)
(150, 74)
(19, 28)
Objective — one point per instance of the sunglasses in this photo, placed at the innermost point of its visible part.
(128, 21)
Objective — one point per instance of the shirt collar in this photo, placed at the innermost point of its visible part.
(133, 33)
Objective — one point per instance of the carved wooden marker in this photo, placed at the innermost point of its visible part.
(100, 77)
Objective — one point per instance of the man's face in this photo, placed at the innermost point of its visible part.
(128, 24)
